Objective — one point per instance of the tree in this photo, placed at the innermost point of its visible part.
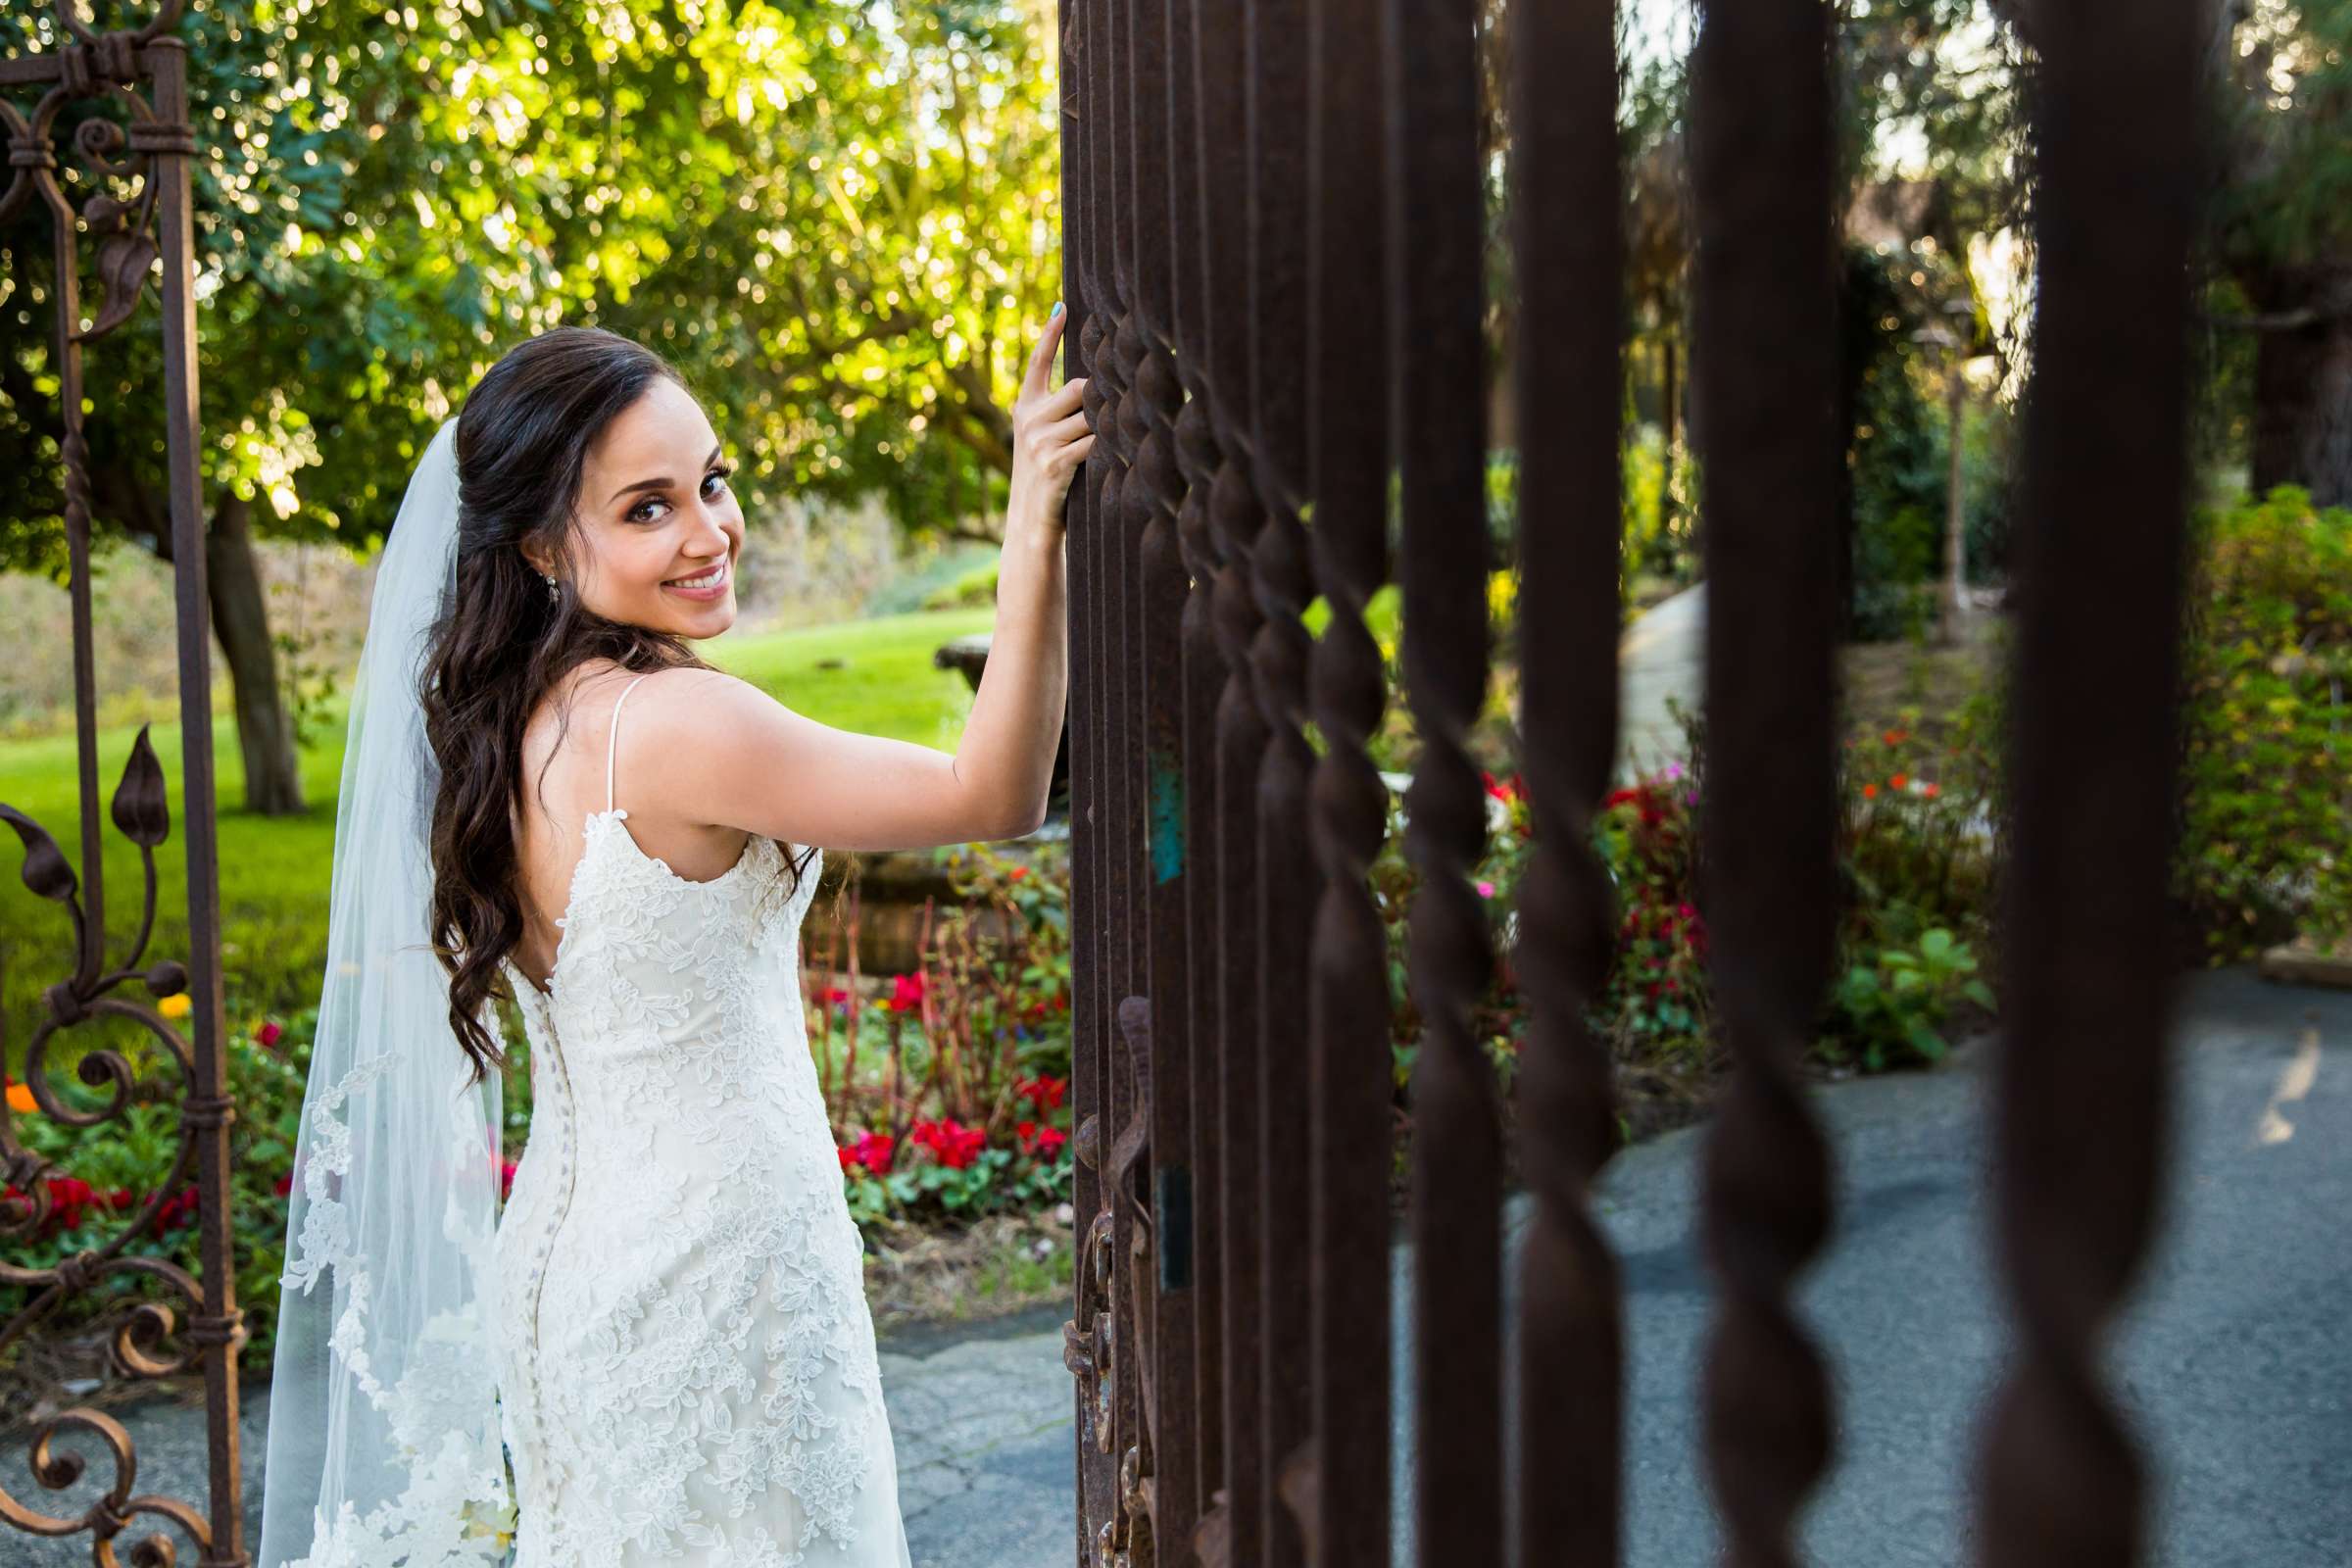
(2283, 231)
(837, 220)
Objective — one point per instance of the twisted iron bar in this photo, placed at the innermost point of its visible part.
(1567, 209)
(1348, 1021)
(1761, 144)
(1433, 230)
(2082, 1082)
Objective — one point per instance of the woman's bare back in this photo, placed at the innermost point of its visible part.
(549, 838)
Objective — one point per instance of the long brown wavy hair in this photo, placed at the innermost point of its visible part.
(501, 642)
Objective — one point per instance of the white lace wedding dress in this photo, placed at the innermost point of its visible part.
(686, 1362)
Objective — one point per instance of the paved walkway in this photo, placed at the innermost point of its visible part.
(1660, 656)
(2234, 1355)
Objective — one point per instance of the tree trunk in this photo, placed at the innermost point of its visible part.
(1955, 512)
(2303, 405)
(241, 621)
(1670, 411)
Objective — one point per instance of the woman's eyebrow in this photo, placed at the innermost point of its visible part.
(662, 483)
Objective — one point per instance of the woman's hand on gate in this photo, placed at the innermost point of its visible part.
(1051, 434)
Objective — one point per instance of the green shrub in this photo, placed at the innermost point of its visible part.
(105, 1176)
(975, 589)
(1890, 1006)
(2266, 847)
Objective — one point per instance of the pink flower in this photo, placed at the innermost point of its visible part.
(1486, 889)
(266, 1032)
(906, 994)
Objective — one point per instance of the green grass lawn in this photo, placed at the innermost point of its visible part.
(273, 870)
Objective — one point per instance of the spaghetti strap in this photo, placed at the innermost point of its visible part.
(613, 736)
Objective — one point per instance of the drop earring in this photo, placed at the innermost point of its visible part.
(553, 592)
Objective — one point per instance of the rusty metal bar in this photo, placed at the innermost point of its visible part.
(1567, 205)
(218, 1332)
(1133, 1061)
(1156, 490)
(1349, 1016)
(1436, 232)
(1194, 451)
(2082, 1075)
(1220, 63)
(1090, 1338)
(1277, 677)
(1764, 305)
(157, 221)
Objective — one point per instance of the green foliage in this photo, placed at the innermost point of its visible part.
(2266, 845)
(2286, 205)
(1660, 533)
(975, 589)
(951, 1092)
(1896, 459)
(1887, 1006)
(1656, 1010)
(135, 1157)
(836, 218)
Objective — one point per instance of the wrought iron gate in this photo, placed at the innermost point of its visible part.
(145, 71)
(1274, 237)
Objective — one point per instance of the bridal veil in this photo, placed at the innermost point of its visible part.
(383, 1443)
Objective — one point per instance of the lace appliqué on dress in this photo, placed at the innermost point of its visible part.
(705, 1306)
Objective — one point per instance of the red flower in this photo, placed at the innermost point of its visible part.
(1043, 1142)
(905, 992)
(178, 1211)
(1510, 788)
(955, 1145)
(506, 1178)
(284, 1185)
(1042, 1091)
(1899, 781)
(266, 1032)
(1018, 873)
(870, 1150)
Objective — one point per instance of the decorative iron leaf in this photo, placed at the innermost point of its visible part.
(140, 809)
(46, 870)
(104, 214)
(124, 260)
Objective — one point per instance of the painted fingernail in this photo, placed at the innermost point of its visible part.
(1056, 310)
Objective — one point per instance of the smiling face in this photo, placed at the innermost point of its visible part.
(659, 530)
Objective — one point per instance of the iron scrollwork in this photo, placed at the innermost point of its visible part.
(133, 233)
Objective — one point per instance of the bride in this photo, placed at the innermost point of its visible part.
(655, 1347)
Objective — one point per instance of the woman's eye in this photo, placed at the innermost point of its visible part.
(640, 511)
